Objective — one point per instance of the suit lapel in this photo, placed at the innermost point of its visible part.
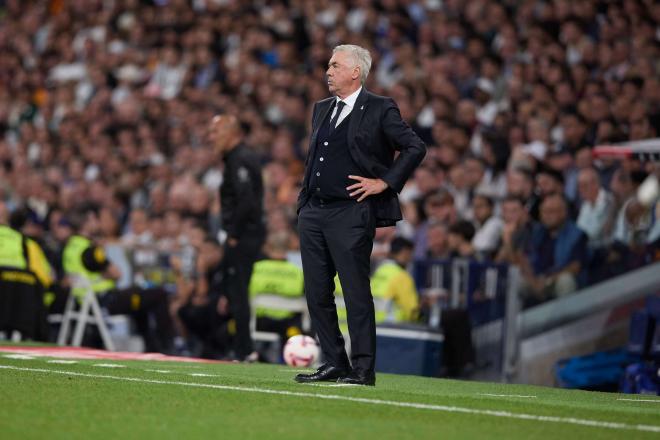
(356, 115)
(323, 113)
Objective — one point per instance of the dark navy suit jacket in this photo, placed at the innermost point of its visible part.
(376, 132)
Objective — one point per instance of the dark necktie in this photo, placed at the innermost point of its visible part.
(333, 121)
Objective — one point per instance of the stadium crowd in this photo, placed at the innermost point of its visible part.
(107, 103)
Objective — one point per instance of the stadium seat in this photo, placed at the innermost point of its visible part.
(277, 302)
(89, 312)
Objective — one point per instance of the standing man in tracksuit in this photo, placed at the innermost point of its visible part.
(241, 199)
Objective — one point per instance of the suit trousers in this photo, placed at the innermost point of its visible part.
(239, 261)
(338, 238)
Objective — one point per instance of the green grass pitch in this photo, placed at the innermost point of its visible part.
(43, 398)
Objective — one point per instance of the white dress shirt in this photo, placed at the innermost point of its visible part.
(350, 103)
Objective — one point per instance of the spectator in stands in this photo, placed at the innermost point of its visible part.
(556, 259)
(516, 231)
(549, 181)
(437, 241)
(597, 212)
(520, 183)
(488, 233)
(459, 239)
(202, 304)
(438, 207)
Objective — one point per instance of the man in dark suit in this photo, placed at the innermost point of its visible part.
(350, 188)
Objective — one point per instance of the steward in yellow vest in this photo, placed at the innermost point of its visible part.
(277, 276)
(24, 276)
(393, 288)
(83, 259)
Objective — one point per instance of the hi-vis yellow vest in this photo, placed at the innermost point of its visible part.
(276, 277)
(380, 290)
(73, 265)
(12, 252)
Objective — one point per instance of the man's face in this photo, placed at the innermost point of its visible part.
(512, 212)
(219, 133)
(588, 186)
(342, 74)
(405, 256)
(553, 213)
(437, 239)
(482, 209)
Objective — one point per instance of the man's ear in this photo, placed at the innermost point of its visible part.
(356, 72)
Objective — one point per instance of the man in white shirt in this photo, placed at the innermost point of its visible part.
(597, 212)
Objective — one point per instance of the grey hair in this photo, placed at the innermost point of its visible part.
(360, 55)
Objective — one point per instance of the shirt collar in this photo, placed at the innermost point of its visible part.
(350, 99)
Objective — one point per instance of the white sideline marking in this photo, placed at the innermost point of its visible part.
(158, 371)
(506, 395)
(641, 400)
(331, 385)
(337, 397)
(61, 361)
(204, 375)
(288, 370)
(109, 365)
(24, 357)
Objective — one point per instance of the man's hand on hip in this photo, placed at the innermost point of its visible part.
(366, 187)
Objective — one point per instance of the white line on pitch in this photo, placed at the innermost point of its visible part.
(62, 361)
(331, 385)
(641, 400)
(286, 370)
(23, 357)
(336, 397)
(109, 365)
(506, 395)
(204, 375)
(158, 371)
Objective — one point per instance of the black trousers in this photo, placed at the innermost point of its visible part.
(338, 238)
(211, 328)
(149, 308)
(239, 261)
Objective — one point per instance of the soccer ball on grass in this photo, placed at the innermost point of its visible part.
(301, 351)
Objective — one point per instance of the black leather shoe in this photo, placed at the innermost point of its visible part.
(326, 373)
(357, 377)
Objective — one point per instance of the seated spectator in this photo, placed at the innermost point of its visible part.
(556, 259)
(437, 207)
(597, 212)
(460, 238)
(437, 241)
(138, 229)
(549, 181)
(516, 231)
(201, 306)
(520, 183)
(489, 226)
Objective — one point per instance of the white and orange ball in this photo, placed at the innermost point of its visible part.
(301, 351)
